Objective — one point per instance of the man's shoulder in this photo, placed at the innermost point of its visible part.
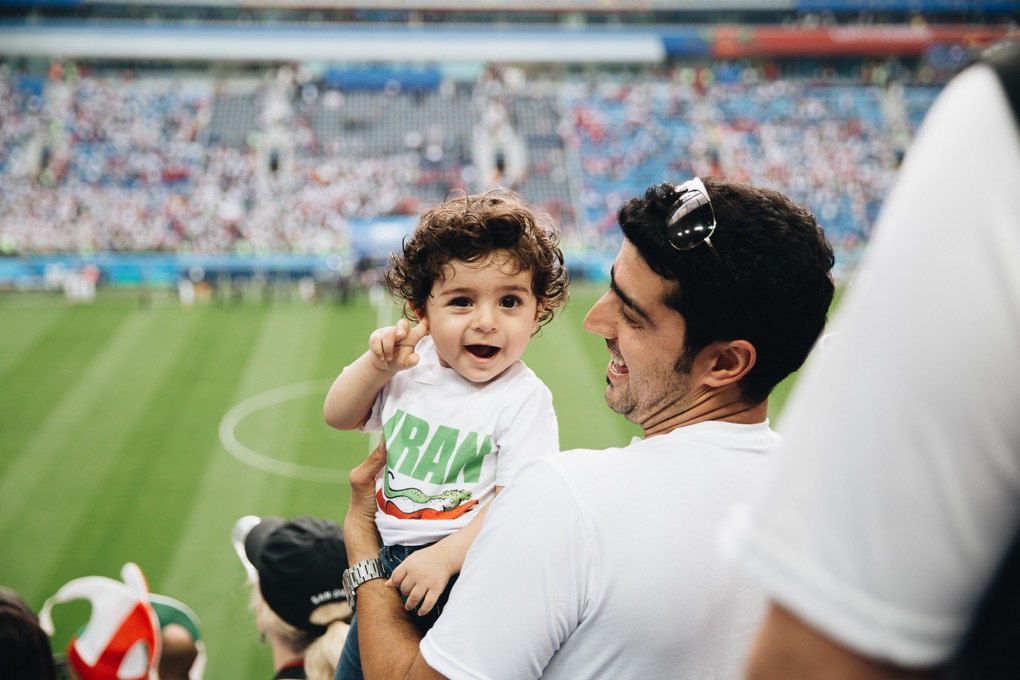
(574, 467)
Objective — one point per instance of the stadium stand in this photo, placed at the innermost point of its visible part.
(831, 146)
(371, 153)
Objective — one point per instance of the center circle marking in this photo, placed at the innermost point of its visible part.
(259, 461)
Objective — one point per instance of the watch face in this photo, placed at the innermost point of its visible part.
(349, 587)
(366, 570)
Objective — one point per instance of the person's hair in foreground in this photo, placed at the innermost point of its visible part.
(320, 650)
(178, 653)
(25, 650)
(470, 228)
(771, 284)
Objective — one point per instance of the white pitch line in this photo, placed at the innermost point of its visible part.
(278, 395)
(265, 463)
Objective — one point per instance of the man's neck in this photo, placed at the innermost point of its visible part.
(738, 412)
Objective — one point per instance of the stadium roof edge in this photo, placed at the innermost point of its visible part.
(364, 43)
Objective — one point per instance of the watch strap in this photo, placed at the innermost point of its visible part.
(365, 570)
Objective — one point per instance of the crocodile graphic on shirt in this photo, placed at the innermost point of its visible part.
(446, 505)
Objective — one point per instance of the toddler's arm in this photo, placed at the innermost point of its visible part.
(423, 576)
(390, 349)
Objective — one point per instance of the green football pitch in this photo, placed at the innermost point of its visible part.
(134, 430)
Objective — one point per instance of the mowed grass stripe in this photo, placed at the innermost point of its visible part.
(40, 379)
(168, 449)
(204, 569)
(61, 472)
(281, 430)
(21, 327)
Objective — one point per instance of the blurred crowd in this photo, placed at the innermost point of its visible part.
(103, 164)
(833, 147)
(98, 162)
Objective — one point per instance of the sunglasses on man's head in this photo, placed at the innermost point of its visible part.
(692, 223)
(693, 220)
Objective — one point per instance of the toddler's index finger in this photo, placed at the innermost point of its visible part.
(419, 331)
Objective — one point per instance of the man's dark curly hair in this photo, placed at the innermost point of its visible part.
(774, 287)
(470, 228)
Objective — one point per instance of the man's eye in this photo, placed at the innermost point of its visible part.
(510, 301)
(630, 319)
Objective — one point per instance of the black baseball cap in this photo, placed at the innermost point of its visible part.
(300, 564)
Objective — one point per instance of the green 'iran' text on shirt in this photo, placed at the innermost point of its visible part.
(439, 458)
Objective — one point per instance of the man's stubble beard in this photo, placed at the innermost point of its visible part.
(671, 388)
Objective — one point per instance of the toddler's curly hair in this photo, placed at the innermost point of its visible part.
(470, 228)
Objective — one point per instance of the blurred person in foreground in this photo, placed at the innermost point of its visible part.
(295, 568)
(130, 634)
(120, 640)
(602, 564)
(182, 650)
(894, 502)
(25, 650)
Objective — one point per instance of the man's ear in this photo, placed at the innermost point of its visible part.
(727, 362)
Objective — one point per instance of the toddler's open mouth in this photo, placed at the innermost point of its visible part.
(483, 351)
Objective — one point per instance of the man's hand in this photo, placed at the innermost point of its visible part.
(387, 636)
(360, 533)
(392, 348)
(422, 577)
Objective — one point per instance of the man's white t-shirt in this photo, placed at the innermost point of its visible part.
(602, 564)
(897, 488)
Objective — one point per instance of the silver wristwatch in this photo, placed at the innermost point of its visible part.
(365, 570)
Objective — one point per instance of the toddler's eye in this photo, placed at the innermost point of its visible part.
(510, 301)
(460, 302)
